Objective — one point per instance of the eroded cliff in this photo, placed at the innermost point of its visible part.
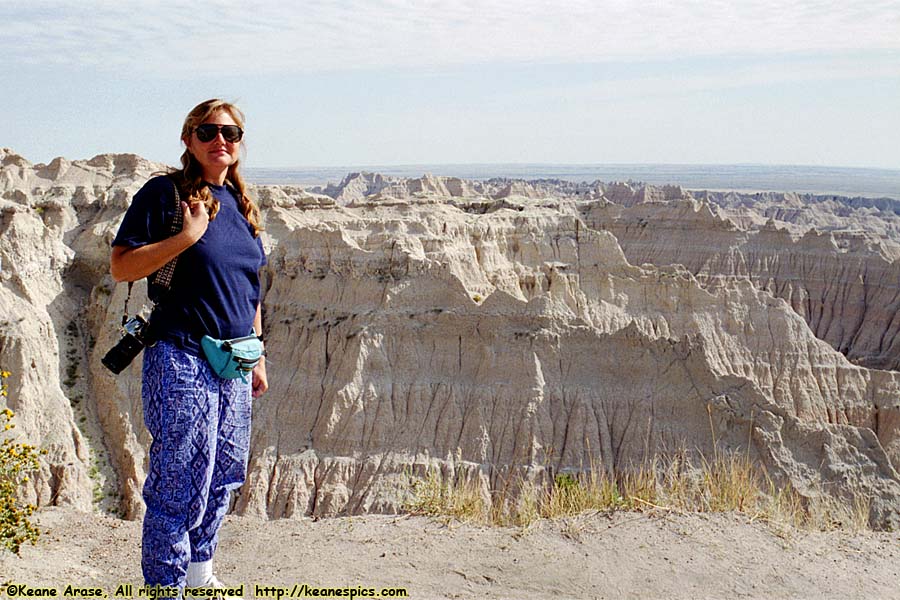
(477, 325)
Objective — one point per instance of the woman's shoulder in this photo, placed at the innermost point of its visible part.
(149, 214)
(158, 189)
(159, 182)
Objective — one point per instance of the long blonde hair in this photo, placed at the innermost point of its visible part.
(190, 177)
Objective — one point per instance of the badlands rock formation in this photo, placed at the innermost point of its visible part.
(494, 328)
(844, 282)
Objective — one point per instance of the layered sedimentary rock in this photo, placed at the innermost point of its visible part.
(845, 283)
(51, 258)
(481, 326)
(877, 218)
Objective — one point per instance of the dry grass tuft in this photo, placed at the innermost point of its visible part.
(460, 498)
(730, 482)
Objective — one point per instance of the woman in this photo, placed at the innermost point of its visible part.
(200, 423)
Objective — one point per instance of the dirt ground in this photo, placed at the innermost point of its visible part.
(623, 555)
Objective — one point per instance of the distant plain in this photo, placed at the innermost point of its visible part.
(843, 181)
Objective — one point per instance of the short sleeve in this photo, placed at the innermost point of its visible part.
(146, 219)
(263, 261)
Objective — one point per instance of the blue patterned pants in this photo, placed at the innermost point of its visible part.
(200, 425)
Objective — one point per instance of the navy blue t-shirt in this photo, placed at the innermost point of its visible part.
(215, 288)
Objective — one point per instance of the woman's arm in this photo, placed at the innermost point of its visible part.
(131, 264)
(260, 378)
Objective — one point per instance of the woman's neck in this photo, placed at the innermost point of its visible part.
(215, 177)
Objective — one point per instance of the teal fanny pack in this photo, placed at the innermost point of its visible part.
(234, 358)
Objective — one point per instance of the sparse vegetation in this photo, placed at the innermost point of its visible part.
(460, 498)
(73, 382)
(73, 362)
(730, 482)
(16, 461)
(94, 474)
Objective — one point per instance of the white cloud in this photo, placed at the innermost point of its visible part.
(243, 37)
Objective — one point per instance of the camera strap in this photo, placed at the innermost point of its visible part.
(163, 277)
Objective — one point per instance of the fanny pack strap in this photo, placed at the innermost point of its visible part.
(163, 277)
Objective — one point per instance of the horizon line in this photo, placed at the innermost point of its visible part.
(360, 166)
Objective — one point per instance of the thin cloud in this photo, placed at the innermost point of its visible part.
(241, 37)
(642, 87)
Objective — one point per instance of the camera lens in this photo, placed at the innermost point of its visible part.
(121, 355)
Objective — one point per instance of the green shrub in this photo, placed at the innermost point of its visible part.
(16, 461)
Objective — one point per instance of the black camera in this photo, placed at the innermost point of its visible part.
(131, 344)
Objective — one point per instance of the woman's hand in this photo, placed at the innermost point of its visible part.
(196, 220)
(260, 379)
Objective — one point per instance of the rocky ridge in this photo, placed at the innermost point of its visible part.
(490, 328)
(845, 284)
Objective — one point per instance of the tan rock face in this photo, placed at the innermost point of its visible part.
(844, 284)
(50, 260)
(436, 322)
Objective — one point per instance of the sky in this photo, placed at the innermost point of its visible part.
(402, 82)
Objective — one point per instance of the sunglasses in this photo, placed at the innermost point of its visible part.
(208, 132)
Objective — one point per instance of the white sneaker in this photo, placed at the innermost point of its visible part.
(214, 583)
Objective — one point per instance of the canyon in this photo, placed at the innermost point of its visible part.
(496, 330)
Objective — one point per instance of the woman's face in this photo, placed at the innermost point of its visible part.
(216, 155)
